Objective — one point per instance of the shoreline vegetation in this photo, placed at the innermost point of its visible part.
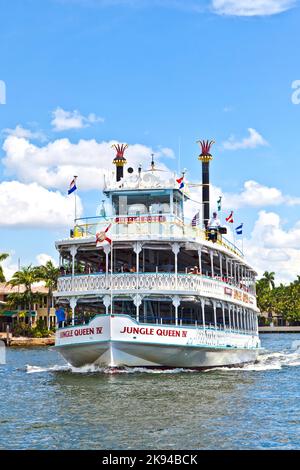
(279, 305)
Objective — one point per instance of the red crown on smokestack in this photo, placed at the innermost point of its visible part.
(205, 145)
(119, 159)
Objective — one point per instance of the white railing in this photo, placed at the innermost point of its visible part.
(189, 284)
(147, 226)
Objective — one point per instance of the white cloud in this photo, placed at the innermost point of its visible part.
(255, 194)
(252, 141)
(251, 7)
(31, 205)
(9, 265)
(43, 258)
(20, 131)
(54, 164)
(271, 248)
(66, 120)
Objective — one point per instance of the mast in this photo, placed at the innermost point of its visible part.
(205, 157)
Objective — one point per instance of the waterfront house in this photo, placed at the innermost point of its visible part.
(9, 316)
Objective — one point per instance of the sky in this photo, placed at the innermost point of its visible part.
(78, 75)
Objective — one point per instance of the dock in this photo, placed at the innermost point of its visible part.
(279, 329)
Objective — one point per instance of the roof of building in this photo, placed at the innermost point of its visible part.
(8, 289)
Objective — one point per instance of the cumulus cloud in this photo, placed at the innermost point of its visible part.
(54, 164)
(9, 265)
(43, 258)
(66, 120)
(32, 205)
(252, 141)
(251, 7)
(20, 131)
(272, 248)
(253, 194)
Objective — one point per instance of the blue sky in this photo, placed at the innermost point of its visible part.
(149, 74)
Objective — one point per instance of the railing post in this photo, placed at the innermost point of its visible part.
(106, 249)
(73, 303)
(73, 251)
(176, 249)
(137, 302)
(223, 315)
(176, 303)
(215, 313)
(203, 312)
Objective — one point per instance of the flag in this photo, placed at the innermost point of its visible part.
(72, 187)
(180, 182)
(102, 237)
(229, 219)
(219, 201)
(196, 219)
(239, 229)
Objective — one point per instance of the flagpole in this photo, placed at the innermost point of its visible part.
(111, 278)
(75, 199)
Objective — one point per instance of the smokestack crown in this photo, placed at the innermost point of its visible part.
(205, 145)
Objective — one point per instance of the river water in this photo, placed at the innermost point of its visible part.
(45, 404)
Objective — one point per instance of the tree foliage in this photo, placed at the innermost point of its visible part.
(282, 299)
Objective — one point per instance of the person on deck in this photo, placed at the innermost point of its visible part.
(60, 315)
(214, 221)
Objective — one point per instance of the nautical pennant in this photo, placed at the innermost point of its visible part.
(180, 182)
(239, 229)
(73, 186)
(196, 219)
(229, 219)
(219, 203)
(102, 237)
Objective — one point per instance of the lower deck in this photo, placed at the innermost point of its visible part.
(118, 341)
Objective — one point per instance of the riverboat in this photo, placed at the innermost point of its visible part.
(148, 287)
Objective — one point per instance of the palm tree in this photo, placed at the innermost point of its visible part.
(269, 279)
(49, 273)
(26, 277)
(3, 256)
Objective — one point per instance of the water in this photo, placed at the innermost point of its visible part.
(45, 404)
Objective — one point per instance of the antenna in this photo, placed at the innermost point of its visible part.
(179, 154)
(152, 162)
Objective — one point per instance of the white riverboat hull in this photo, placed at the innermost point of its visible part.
(119, 341)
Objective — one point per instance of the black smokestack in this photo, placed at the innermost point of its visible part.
(205, 157)
(119, 160)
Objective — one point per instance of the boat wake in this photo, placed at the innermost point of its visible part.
(266, 361)
(270, 361)
(93, 369)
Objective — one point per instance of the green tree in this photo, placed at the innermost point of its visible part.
(3, 256)
(26, 277)
(49, 273)
(269, 279)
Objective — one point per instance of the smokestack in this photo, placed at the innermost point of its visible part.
(205, 157)
(119, 159)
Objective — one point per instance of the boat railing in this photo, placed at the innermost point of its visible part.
(149, 282)
(182, 322)
(162, 225)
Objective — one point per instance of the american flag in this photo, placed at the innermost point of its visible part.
(196, 220)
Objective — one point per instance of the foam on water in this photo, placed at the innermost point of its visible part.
(265, 361)
(270, 361)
